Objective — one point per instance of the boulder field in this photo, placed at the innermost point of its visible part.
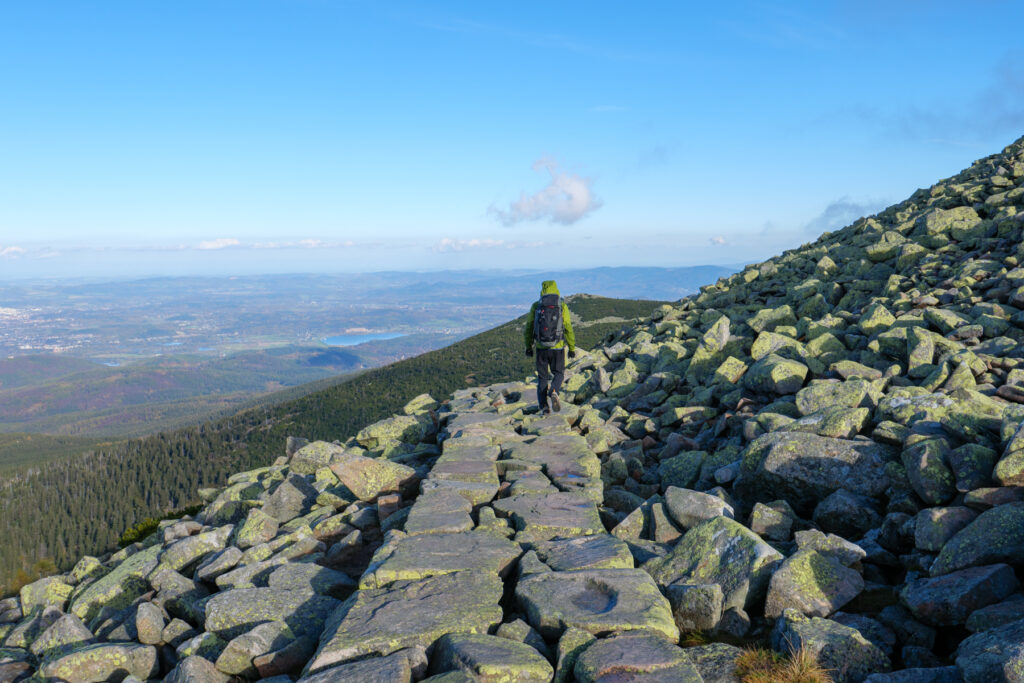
(824, 451)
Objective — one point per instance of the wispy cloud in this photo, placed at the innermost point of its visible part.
(566, 199)
(841, 213)
(303, 244)
(995, 109)
(718, 241)
(449, 244)
(11, 251)
(219, 243)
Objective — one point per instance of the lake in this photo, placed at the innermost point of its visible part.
(353, 339)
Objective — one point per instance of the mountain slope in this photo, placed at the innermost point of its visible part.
(61, 510)
(823, 452)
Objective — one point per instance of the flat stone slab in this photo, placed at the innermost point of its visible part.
(417, 557)
(490, 659)
(551, 515)
(635, 657)
(567, 460)
(379, 621)
(311, 577)
(599, 601)
(597, 551)
(476, 492)
(232, 613)
(439, 511)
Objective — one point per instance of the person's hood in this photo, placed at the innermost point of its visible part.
(549, 287)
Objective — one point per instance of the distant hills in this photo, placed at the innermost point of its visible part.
(83, 501)
(176, 351)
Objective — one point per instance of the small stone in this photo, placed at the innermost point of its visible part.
(695, 607)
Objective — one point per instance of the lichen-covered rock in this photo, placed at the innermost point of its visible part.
(233, 612)
(993, 656)
(721, 551)
(933, 527)
(546, 516)
(829, 544)
(196, 669)
(306, 576)
(292, 497)
(843, 651)
(949, 599)
(258, 527)
(66, 633)
(595, 600)
(997, 535)
(312, 457)
(774, 374)
(595, 551)
(367, 478)
(490, 659)
(184, 552)
(811, 583)
(409, 429)
(929, 475)
(104, 662)
(119, 588)
(805, 468)
(695, 607)
(237, 657)
(149, 624)
(846, 514)
(635, 657)
(50, 591)
(689, 508)
(396, 667)
(417, 557)
(409, 613)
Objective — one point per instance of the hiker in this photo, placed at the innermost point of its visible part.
(549, 328)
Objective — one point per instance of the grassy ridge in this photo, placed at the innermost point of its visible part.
(80, 505)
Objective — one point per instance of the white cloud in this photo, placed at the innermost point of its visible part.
(219, 243)
(11, 251)
(566, 199)
(449, 244)
(718, 241)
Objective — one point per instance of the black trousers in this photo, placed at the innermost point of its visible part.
(550, 370)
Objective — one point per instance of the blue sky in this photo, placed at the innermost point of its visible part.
(207, 136)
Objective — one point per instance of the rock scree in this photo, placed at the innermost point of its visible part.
(823, 451)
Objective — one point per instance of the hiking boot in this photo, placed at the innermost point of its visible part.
(555, 405)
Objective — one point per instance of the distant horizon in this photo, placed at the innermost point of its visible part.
(215, 276)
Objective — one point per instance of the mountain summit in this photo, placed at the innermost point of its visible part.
(822, 453)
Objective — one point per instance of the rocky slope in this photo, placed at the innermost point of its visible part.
(824, 451)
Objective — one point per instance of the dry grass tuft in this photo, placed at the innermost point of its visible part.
(693, 639)
(758, 665)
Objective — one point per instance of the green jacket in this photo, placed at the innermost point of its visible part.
(569, 337)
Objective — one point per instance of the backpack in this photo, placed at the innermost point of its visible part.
(547, 322)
